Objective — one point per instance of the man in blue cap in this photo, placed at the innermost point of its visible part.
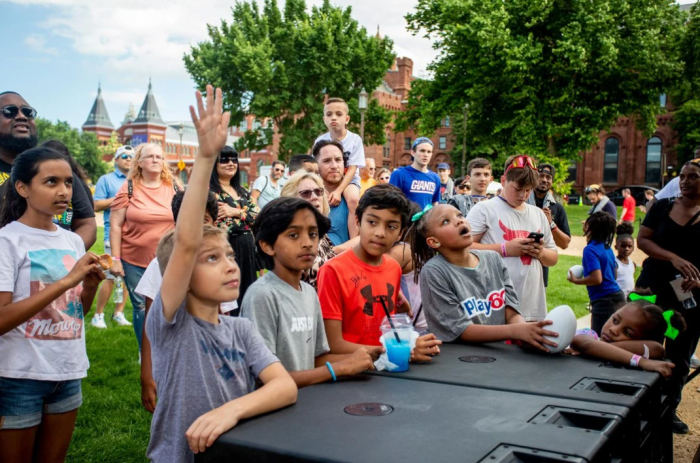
(447, 185)
(417, 182)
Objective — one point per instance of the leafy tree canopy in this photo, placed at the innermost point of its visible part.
(544, 77)
(280, 65)
(84, 147)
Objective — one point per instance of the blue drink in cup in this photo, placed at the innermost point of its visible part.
(398, 351)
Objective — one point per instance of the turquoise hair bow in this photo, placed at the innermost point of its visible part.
(417, 216)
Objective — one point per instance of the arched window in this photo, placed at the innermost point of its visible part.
(612, 154)
(653, 170)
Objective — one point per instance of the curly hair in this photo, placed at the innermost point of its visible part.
(600, 226)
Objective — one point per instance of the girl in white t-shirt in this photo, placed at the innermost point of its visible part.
(42, 309)
(624, 245)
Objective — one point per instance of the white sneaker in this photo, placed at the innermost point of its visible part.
(694, 362)
(121, 320)
(98, 321)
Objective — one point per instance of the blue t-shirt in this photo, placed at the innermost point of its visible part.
(338, 234)
(597, 257)
(422, 188)
(107, 187)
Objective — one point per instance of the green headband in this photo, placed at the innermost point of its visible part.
(417, 216)
(640, 297)
(671, 332)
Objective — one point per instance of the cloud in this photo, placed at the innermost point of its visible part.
(150, 38)
(37, 42)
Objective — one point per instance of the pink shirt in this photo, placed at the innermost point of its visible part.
(149, 216)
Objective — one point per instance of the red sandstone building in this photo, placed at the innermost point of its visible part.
(622, 156)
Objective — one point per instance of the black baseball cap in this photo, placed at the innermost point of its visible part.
(547, 169)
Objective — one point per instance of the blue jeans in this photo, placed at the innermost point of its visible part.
(132, 276)
(24, 401)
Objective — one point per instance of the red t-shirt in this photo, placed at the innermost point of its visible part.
(630, 204)
(351, 291)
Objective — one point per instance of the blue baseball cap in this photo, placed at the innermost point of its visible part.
(444, 166)
(420, 140)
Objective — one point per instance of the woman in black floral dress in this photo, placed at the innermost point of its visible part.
(237, 214)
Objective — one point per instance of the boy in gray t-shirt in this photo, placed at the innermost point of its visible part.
(205, 364)
(285, 309)
(467, 294)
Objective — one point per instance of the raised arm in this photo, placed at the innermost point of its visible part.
(212, 128)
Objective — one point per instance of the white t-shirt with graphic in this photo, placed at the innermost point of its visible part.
(151, 281)
(50, 346)
(500, 223)
(355, 150)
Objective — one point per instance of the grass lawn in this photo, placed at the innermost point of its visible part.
(578, 214)
(113, 426)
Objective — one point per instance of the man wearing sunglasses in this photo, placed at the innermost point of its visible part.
(17, 135)
(106, 189)
(267, 188)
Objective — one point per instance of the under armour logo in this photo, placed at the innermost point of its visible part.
(371, 299)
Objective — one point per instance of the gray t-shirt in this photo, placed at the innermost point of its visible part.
(455, 297)
(197, 367)
(289, 320)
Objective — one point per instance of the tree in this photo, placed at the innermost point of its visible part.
(84, 147)
(544, 77)
(686, 95)
(281, 67)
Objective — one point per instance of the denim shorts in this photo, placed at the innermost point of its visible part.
(24, 401)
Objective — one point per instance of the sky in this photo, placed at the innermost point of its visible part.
(59, 50)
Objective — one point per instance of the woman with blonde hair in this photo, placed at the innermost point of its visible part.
(382, 176)
(309, 186)
(140, 214)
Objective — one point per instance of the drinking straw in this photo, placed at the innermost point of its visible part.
(388, 317)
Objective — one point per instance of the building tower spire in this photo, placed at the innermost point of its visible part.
(149, 113)
(98, 117)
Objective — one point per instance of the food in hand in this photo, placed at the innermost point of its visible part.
(105, 261)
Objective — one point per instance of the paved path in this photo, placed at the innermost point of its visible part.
(579, 242)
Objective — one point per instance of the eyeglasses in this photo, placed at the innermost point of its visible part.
(306, 194)
(11, 111)
(226, 160)
(521, 162)
(126, 156)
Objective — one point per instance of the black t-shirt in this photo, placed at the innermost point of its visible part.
(680, 239)
(80, 207)
(561, 219)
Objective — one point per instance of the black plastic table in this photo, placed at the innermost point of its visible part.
(380, 419)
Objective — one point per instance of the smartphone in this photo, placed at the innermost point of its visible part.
(536, 236)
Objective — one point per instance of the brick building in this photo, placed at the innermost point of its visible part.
(622, 156)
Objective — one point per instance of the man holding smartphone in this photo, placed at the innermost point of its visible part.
(520, 233)
(543, 198)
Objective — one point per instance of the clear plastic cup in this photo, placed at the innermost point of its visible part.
(398, 351)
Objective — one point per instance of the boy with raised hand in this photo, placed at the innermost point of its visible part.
(206, 361)
(355, 286)
(336, 117)
(284, 309)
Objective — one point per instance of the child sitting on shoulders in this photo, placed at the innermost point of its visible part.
(336, 117)
(284, 309)
(599, 269)
(467, 294)
(624, 245)
(209, 362)
(358, 287)
(633, 336)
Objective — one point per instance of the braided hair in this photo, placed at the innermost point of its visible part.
(420, 251)
(601, 227)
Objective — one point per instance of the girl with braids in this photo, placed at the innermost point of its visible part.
(633, 335)
(600, 269)
(467, 294)
(47, 285)
(624, 245)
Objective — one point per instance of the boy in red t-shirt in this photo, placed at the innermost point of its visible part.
(353, 286)
(628, 207)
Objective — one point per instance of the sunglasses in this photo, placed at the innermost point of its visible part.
(306, 194)
(126, 156)
(11, 111)
(521, 162)
(465, 186)
(279, 170)
(592, 189)
(226, 160)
